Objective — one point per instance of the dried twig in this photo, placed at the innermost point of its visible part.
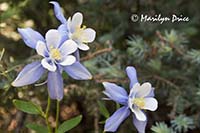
(96, 53)
(2, 53)
(166, 81)
(96, 120)
(172, 114)
(170, 83)
(99, 79)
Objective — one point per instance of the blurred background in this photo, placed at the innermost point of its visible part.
(167, 55)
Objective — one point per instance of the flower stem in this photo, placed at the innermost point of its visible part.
(47, 115)
(57, 115)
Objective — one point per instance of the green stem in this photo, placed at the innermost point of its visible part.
(57, 114)
(47, 115)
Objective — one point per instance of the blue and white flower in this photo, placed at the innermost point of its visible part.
(139, 99)
(73, 29)
(55, 53)
(57, 56)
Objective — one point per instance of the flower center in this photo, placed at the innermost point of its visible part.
(139, 102)
(78, 34)
(55, 53)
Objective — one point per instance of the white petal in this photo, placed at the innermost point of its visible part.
(134, 90)
(139, 114)
(150, 104)
(69, 24)
(144, 90)
(53, 38)
(88, 35)
(83, 47)
(68, 47)
(69, 60)
(41, 48)
(48, 64)
(77, 20)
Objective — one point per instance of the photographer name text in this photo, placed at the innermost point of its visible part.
(159, 18)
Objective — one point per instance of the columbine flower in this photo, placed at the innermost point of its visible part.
(56, 58)
(55, 53)
(72, 28)
(140, 98)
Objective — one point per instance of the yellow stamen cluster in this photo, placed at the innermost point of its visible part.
(78, 34)
(139, 102)
(55, 53)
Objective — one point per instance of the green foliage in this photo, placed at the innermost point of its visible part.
(155, 64)
(194, 55)
(182, 124)
(103, 110)
(161, 128)
(174, 38)
(27, 107)
(37, 128)
(69, 124)
(137, 48)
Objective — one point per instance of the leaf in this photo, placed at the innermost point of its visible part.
(103, 110)
(155, 64)
(161, 127)
(117, 106)
(9, 13)
(102, 122)
(27, 107)
(37, 128)
(69, 124)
